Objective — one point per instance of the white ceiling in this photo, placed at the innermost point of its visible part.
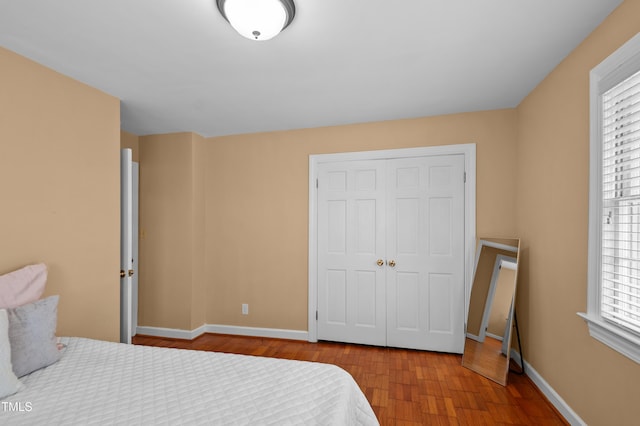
(177, 65)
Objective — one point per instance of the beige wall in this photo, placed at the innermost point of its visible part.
(236, 208)
(172, 249)
(552, 217)
(129, 140)
(198, 226)
(257, 205)
(59, 174)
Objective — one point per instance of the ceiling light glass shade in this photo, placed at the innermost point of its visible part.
(257, 19)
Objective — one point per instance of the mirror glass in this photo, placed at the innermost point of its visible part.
(490, 315)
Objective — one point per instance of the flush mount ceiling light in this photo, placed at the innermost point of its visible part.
(258, 19)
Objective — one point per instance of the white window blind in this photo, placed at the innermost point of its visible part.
(620, 256)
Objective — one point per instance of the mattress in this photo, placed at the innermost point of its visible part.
(97, 382)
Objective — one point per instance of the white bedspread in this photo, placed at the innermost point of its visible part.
(98, 382)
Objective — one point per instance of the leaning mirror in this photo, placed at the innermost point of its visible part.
(491, 305)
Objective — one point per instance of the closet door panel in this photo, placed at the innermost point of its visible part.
(425, 241)
(351, 238)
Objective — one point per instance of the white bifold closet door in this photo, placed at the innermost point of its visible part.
(391, 252)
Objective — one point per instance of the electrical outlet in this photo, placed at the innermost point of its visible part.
(245, 309)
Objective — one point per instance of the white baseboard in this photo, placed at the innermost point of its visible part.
(474, 337)
(275, 333)
(495, 336)
(223, 329)
(554, 398)
(173, 333)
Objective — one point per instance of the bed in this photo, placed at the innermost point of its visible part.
(97, 382)
(79, 381)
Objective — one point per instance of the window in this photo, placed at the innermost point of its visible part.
(613, 311)
(620, 257)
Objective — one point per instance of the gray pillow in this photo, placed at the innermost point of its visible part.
(9, 383)
(32, 335)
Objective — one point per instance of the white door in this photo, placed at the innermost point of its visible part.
(425, 252)
(351, 239)
(391, 252)
(126, 243)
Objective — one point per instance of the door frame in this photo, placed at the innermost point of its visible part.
(469, 152)
(135, 211)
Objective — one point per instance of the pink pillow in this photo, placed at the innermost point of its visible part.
(23, 286)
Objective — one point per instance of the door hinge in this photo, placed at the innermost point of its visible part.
(316, 315)
(316, 183)
(464, 177)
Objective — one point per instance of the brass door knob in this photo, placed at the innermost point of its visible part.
(130, 272)
(380, 262)
(391, 263)
(122, 274)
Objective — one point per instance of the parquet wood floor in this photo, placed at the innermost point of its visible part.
(486, 358)
(404, 387)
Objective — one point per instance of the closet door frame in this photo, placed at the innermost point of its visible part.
(469, 152)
